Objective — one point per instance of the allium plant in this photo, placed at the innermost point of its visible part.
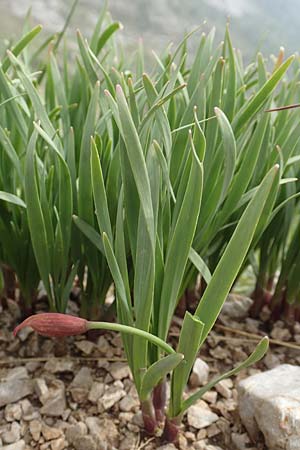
(148, 249)
(149, 355)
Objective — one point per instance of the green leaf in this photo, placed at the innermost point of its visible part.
(189, 343)
(255, 103)
(137, 162)
(233, 257)
(11, 198)
(35, 216)
(90, 233)
(200, 265)
(99, 193)
(258, 353)
(19, 46)
(157, 372)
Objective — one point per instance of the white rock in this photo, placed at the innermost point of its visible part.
(85, 346)
(96, 391)
(237, 306)
(111, 396)
(119, 370)
(129, 403)
(13, 412)
(13, 390)
(17, 373)
(35, 428)
(83, 378)
(20, 445)
(12, 435)
(224, 388)
(200, 372)
(200, 416)
(269, 402)
(41, 389)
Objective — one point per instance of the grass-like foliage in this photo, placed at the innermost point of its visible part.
(110, 174)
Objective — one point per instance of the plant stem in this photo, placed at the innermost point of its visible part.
(131, 330)
(149, 418)
(159, 400)
(171, 429)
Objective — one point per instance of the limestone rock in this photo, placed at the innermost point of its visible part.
(13, 412)
(200, 415)
(129, 403)
(83, 378)
(104, 430)
(119, 370)
(200, 372)
(224, 388)
(110, 397)
(35, 428)
(85, 443)
(73, 432)
(85, 346)
(269, 403)
(20, 445)
(12, 435)
(50, 433)
(58, 444)
(96, 391)
(13, 390)
(237, 306)
(56, 401)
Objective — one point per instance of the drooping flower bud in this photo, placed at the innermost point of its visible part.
(54, 324)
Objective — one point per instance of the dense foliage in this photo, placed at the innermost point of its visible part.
(109, 174)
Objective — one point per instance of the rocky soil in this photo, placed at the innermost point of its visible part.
(78, 393)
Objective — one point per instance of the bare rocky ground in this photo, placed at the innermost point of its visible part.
(78, 393)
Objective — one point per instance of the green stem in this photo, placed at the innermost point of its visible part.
(131, 330)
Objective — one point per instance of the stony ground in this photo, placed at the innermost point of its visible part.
(78, 393)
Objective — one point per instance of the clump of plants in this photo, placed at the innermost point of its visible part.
(146, 181)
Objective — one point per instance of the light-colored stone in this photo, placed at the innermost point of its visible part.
(269, 403)
(55, 404)
(110, 397)
(28, 411)
(83, 378)
(96, 391)
(12, 435)
(41, 389)
(75, 431)
(119, 370)
(17, 373)
(85, 443)
(103, 430)
(13, 390)
(35, 428)
(13, 412)
(210, 397)
(200, 373)
(240, 441)
(85, 346)
(128, 403)
(50, 433)
(224, 388)
(58, 444)
(20, 445)
(200, 416)
(103, 345)
(237, 306)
